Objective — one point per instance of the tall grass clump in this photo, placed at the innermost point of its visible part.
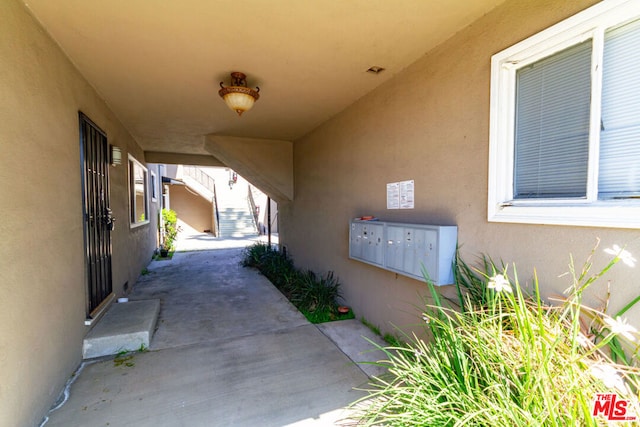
(507, 358)
(317, 292)
(252, 255)
(316, 296)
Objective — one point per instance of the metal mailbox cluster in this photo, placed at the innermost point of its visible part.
(405, 248)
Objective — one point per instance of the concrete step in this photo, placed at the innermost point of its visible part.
(224, 226)
(235, 218)
(241, 224)
(246, 219)
(238, 229)
(238, 234)
(235, 215)
(125, 327)
(227, 231)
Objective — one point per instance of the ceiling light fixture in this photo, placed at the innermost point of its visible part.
(238, 96)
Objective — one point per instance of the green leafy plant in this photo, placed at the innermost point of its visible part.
(506, 358)
(371, 326)
(473, 292)
(171, 229)
(468, 281)
(392, 340)
(277, 267)
(126, 357)
(252, 255)
(315, 296)
(317, 293)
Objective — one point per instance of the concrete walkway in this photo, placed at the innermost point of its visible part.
(229, 350)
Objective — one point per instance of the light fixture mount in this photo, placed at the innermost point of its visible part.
(238, 96)
(375, 69)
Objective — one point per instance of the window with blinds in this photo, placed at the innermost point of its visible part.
(553, 98)
(552, 125)
(565, 122)
(619, 165)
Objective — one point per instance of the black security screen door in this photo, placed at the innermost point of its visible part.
(98, 222)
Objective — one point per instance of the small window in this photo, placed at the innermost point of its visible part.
(154, 187)
(138, 194)
(565, 128)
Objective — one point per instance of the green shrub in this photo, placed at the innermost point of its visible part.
(170, 221)
(505, 358)
(469, 282)
(277, 267)
(315, 296)
(252, 255)
(317, 293)
(374, 328)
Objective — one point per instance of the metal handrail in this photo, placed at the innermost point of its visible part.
(216, 226)
(202, 178)
(274, 221)
(254, 210)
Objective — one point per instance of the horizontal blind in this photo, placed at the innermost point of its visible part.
(552, 125)
(619, 173)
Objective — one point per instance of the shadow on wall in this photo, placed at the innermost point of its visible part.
(192, 210)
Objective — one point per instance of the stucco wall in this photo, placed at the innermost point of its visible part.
(430, 123)
(42, 287)
(191, 208)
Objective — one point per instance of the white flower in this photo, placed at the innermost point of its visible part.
(499, 283)
(425, 318)
(417, 353)
(621, 327)
(609, 376)
(583, 341)
(624, 255)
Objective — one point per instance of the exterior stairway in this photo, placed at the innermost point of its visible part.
(236, 222)
(235, 217)
(234, 213)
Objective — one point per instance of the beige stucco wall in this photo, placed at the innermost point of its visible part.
(430, 123)
(42, 287)
(191, 208)
(265, 163)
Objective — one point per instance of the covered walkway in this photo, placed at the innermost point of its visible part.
(229, 350)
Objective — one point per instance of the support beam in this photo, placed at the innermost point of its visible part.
(266, 163)
(181, 159)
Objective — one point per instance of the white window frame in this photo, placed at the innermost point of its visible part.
(153, 184)
(133, 214)
(588, 24)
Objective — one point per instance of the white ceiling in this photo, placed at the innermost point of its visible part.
(158, 64)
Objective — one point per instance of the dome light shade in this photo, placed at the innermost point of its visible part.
(238, 96)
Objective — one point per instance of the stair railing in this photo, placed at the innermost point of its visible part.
(202, 178)
(216, 213)
(254, 210)
(274, 221)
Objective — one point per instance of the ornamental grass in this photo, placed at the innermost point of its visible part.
(504, 357)
(316, 296)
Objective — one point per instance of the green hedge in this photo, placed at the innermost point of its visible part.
(316, 296)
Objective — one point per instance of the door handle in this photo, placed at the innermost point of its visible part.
(110, 220)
